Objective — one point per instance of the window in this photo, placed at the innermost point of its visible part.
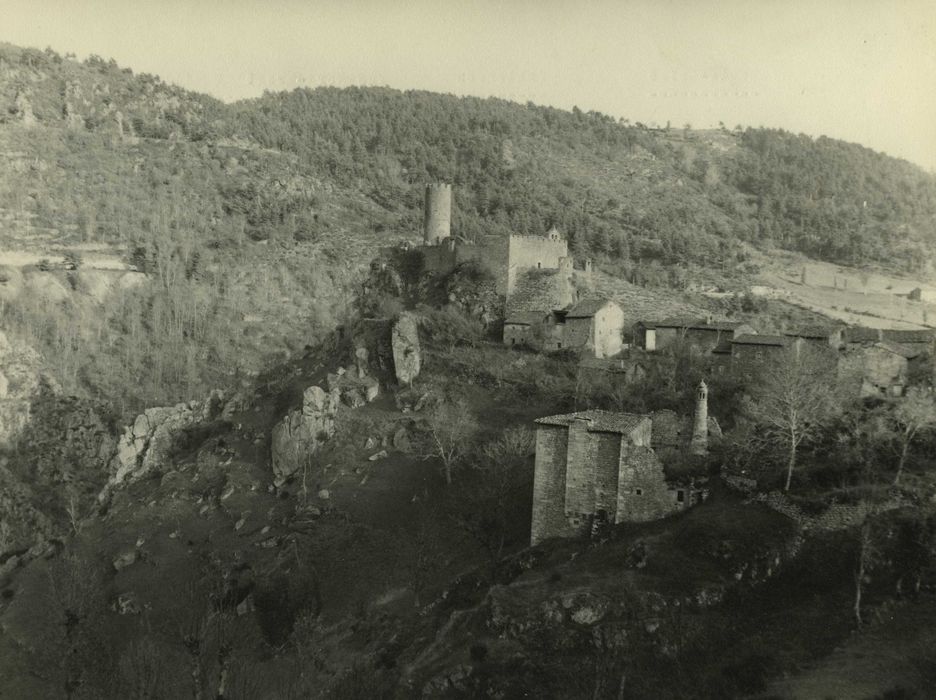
(681, 496)
(513, 341)
(558, 346)
(638, 492)
(539, 264)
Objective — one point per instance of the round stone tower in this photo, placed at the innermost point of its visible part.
(437, 218)
(699, 443)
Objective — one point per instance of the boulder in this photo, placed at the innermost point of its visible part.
(125, 559)
(407, 356)
(401, 440)
(360, 361)
(302, 431)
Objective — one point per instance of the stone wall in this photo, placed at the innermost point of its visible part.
(517, 334)
(643, 494)
(607, 456)
(871, 371)
(580, 470)
(540, 290)
(549, 484)
(536, 252)
(838, 516)
(608, 331)
(578, 333)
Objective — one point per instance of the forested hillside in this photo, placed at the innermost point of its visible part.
(267, 209)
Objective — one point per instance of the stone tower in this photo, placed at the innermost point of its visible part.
(437, 218)
(699, 443)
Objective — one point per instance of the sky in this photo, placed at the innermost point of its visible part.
(860, 70)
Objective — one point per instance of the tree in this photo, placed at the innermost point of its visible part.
(868, 556)
(447, 434)
(791, 400)
(504, 474)
(913, 414)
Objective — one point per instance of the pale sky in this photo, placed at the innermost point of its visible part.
(860, 70)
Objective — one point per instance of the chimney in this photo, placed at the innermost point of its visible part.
(699, 443)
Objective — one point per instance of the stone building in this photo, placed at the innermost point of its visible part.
(751, 353)
(600, 466)
(524, 328)
(876, 369)
(919, 294)
(534, 253)
(703, 334)
(818, 336)
(593, 325)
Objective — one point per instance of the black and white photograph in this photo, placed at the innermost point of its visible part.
(479, 349)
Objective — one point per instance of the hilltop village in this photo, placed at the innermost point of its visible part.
(598, 467)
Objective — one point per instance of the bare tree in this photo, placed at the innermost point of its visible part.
(503, 470)
(791, 400)
(448, 434)
(913, 414)
(868, 555)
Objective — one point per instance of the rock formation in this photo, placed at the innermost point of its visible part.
(407, 357)
(303, 431)
(146, 444)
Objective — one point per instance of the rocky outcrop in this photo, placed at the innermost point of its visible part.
(303, 431)
(407, 356)
(354, 389)
(145, 445)
(20, 380)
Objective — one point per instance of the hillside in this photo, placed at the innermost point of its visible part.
(253, 220)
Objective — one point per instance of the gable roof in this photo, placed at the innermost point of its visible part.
(525, 318)
(812, 332)
(751, 339)
(897, 349)
(696, 324)
(909, 336)
(860, 334)
(588, 307)
(599, 421)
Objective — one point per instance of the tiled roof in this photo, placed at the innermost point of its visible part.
(599, 421)
(695, 324)
(751, 339)
(525, 318)
(586, 308)
(811, 332)
(898, 349)
(911, 336)
(860, 334)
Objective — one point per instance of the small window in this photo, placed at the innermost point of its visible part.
(513, 341)
(638, 492)
(681, 496)
(558, 346)
(539, 264)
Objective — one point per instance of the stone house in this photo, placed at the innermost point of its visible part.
(876, 369)
(923, 340)
(524, 328)
(703, 334)
(594, 325)
(919, 294)
(600, 466)
(750, 353)
(818, 335)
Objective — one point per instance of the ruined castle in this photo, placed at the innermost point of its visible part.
(531, 272)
